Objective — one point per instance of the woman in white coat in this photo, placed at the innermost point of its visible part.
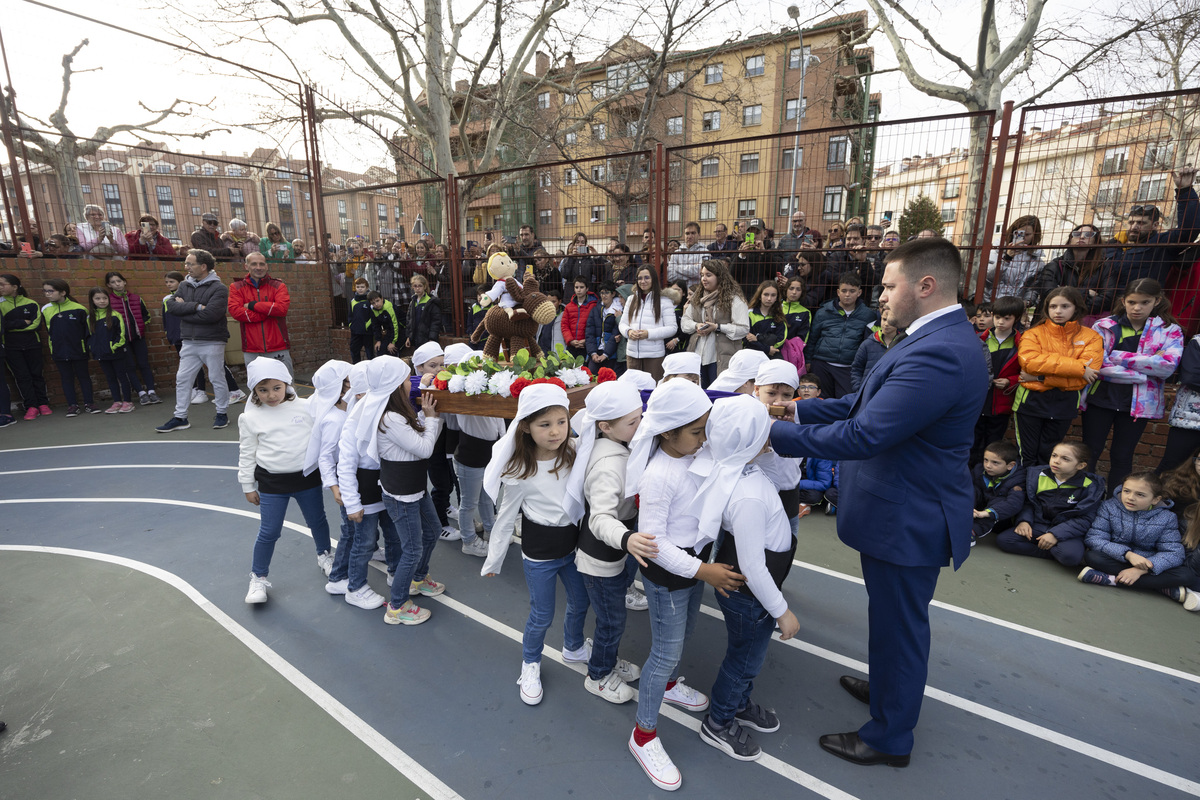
(648, 321)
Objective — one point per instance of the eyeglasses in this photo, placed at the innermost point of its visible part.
(871, 238)
(1144, 211)
(1084, 234)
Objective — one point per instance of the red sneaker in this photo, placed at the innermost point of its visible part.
(31, 414)
(45, 411)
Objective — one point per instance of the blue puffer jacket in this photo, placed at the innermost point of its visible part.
(1152, 534)
(836, 335)
(819, 475)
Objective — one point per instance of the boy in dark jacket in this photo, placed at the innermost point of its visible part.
(837, 330)
(1001, 342)
(1061, 501)
(602, 334)
(872, 349)
(384, 325)
(999, 489)
(478, 311)
(362, 316)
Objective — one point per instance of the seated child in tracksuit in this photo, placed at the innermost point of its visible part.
(999, 489)
(817, 474)
(385, 326)
(1061, 501)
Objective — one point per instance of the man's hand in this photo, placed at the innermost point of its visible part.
(981, 514)
(252, 498)
(392, 348)
(179, 299)
(1184, 177)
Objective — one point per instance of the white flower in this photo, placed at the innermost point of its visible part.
(574, 377)
(500, 383)
(457, 383)
(476, 382)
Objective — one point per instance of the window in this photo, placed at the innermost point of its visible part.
(631, 128)
(1152, 187)
(599, 90)
(195, 211)
(674, 126)
(193, 192)
(1114, 160)
(1052, 167)
(1025, 198)
(631, 74)
(81, 163)
(570, 176)
(544, 217)
(600, 131)
(162, 168)
(794, 56)
(237, 203)
(1047, 195)
(831, 205)
(755, 66)
(1109, 193)
(951, 189)
(599, 213)
(212, 192)
(638, 212)
(708, 211)
(714, 73)
(543, 100)
(86, 188)
(749, 163)
(571, 138)
(839, 152)
(711, 121)
(948, 212)
(234, 172)
(570, 216)
(166, 211)
(675, 171)
(785, 209)
(790, 108)
(785, 161)
(675, 79)
(362, 206)
(544, 179)
(569, 99)
(747, 208)
(112, 204)
(287, 221)
(109, 165)
(598, 172)
(1158, 155)
(208, 170)
(673, 212)
(709, 167)
(752, 115)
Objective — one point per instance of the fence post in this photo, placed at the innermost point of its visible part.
(993, 199)
(454, 235)
(658, 171)
(308, 107)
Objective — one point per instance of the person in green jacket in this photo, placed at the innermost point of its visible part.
(109, 344)
(274, 246)
(67, 327)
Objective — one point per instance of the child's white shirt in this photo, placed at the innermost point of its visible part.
(540, 497)
(499, 294)
(328, 433)
(275, 439)
(668, 502)
(758, 523)
(399, 441)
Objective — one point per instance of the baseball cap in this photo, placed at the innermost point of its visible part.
(210, 217)
(755, 223)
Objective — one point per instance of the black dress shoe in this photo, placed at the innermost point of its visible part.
(859, 689)
(850, 747)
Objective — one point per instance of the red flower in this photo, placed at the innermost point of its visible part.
(517, 385)
(440, 384)
(587, 371)
(605, 375)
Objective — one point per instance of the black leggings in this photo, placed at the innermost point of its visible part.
(1181, 443)
(1126, 433)
(75, 370)
(1037, 436)
(120, 376)
(26, 368)
(140, 355)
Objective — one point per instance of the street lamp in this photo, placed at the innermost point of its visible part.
(794, 13)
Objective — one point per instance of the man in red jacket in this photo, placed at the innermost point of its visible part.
(260, 303)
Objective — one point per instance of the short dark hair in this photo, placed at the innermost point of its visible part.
(861, 230)
(691, 225)
(936, 257)
(148, 218)
(1004, 450)
(175, 275)
(525, 228)
(204, 257)
(372, 296)
(554, 293)
(984, 308)
(1008, 306)
(810, 379)
(608, 286)
(850, 279)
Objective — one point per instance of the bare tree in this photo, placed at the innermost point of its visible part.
(62, 154)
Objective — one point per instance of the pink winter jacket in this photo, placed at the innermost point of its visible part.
(1157, 357)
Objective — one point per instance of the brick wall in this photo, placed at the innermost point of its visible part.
(308, 317)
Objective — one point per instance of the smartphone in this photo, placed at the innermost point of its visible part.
(583, 248)
(808, 239)
(887, 217)
(1019, 236)
(26, 247)
(749, 237)
(487, 237)
(146, 228)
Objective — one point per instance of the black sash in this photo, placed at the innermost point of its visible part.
(473, 452)
(546, 542)
(669, 580)
(403, 477)
(791, 501)
(369, 490)
(285, 482)
(588, 543)
(779, 564)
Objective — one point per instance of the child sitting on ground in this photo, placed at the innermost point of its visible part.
(999, 489)
(1061, 500)
(816, 478)
(1134, 541)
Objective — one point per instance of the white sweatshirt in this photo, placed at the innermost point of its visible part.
(540, 497)
(608, 507)
(657, 333)
(275, 439)
(758, 523)
(667, 510)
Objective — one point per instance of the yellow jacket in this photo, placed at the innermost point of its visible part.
(1060, 353)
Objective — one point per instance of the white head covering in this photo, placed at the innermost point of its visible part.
(425, 352)
(608, 401)
(459, 351)
(327, 381)
(358, 384)
(737, 430)
(266, 369)
(743, 365)
(642, 381)
(384, 375)
(681, 364)
(531, 400)
(672, 405)
(777, 371)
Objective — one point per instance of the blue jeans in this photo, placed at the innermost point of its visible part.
(470, 497)
(540, 576)
(366, 534)
(749, 627)
(607, 596)
(672, 620)
(708, 374)
(341, 557)
(418, 527)
(271, 508)
(631, 568)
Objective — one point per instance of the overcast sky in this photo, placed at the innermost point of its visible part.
(136, 70)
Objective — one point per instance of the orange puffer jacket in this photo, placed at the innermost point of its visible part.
(1061, 353)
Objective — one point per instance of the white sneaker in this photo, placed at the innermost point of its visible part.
(658, 765)
(635, 600)
(325, 562)
(368, 598)
(199, 396)
(1192, 601)
(338, 587)
(686, 697)
(624, 670)
(452, 512)
(258, 589)
(237, 396)
(476, 547)
(450, 534)
(578, 656)
(378, 555)
(610, 688)
(531, 683)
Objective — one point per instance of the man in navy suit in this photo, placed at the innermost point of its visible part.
(903, 441)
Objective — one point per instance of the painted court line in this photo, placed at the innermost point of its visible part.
(119, 466)
(1068, 742)
(397, 758)
(111, 444)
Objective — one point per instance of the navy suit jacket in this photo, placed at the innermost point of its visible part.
(903, 440)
